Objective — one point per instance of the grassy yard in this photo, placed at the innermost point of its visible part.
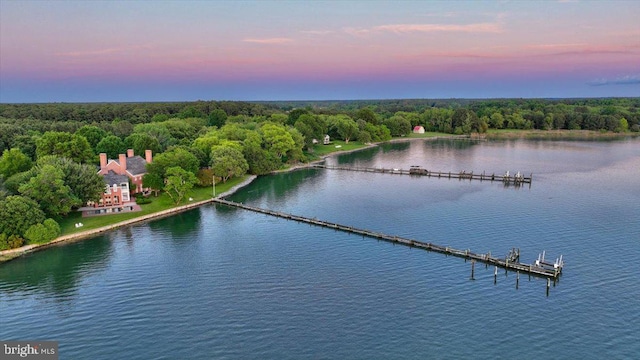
(162, 202)
(554, 134)
(321, 150)
(425, 135)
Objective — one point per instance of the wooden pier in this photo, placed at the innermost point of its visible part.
(510, 262)
(506, 178)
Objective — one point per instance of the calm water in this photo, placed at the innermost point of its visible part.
(225, 283)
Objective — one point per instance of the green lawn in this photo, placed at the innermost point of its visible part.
(321, 150)
(425, 135)
(162, 202)
(553, 134)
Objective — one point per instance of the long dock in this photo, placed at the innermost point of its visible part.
(506, 178)
(511, 262)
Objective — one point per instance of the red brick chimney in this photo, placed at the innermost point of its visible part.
(123, 163)
(148, 155)
(130, 153)
(103, 160)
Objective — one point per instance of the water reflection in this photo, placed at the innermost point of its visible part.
(287, 185)
(57, 271)
(183, 227)
(354, 158)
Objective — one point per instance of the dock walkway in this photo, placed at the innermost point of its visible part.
(510, 262)
(506, 178)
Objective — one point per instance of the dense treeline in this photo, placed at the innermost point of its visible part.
(50, 151)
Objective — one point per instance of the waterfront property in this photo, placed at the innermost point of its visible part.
(218, 276)
(117, 174)
(132, 166)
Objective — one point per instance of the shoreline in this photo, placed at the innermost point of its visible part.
(7, 255)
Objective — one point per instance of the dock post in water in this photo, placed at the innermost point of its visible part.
(473, 263)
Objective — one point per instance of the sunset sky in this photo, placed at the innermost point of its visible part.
(95, 51)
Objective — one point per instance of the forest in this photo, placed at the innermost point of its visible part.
(50, 151)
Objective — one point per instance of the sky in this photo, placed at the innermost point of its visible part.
(129, 51)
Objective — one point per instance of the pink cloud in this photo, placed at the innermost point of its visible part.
(269, 41)
(468, 28)
(99, 52)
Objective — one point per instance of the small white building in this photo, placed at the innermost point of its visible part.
(327, 140)
(418, 129)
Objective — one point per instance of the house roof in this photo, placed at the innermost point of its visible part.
(112, 178)
(417, 127)
(136, 165)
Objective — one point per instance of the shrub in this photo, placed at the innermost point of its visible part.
(43, 233)
(140, 200)
(10, 242)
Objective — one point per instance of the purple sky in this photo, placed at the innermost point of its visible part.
(88, 51)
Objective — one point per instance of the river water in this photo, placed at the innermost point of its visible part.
(218, 282)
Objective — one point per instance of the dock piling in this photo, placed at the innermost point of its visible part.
(473, 264)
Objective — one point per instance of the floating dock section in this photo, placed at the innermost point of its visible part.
(507, 177)
(511, 262)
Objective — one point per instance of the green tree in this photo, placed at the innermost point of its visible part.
(175, 157)
(92, 133)
(180, 129)
(344, 126)
(311, 127)
(179, 183)
(42, 233)
(277, 139)
(295, 154)
(83, 180)
(13, 183)
(141, 142)
(10, 241)
(227, 162)
(295, 114)
(13, 161)
(190, 112)
(205, 177)
(153, 181)
(159, 131)
(260, 161)
(218, 118)
(112, 146)
(49, 190)
(496, 120)
(465, 121)
(121, 128)
(233, 131)
(71, 146)
(623, 125)
(26, 144)
(281, 119)
(18, 213)
(367, 115)
(398, 125)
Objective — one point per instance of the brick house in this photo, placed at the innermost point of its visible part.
(133, 166)
(117, 174)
